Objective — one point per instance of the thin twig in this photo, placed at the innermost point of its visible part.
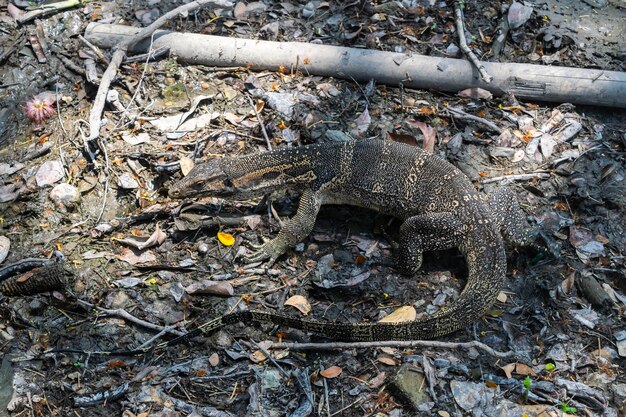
(460, 114)
(460, 28)
(258, 116)
(399, 344)
(49, 9)
(119, 312)
(518, 177)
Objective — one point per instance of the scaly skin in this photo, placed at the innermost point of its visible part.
(439, 207)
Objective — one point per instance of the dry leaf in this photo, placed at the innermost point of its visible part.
(377, 381)
(430, 136)
(142, 242)
(186, 164)
(225, 239)
(502, 297)
(258, 356)
(402, 138)
(223, 288)
(214, 359)
(508, 369)
(475, 92)
(332, 372)
(523, 369)
(128, 255)
(388, 360)
(400, 315)
(300, 303)
(24, 277)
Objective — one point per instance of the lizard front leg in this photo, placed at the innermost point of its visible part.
(294, 230)
(436, 231)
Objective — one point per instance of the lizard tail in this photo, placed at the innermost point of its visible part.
(486, 268)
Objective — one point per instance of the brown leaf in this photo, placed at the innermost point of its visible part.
(430, 136)
(377, 381)
(128, 255)
(402, 138)
(24, 277)
(476, 93)
(508, 369)
(523, 369)
(258, 356)
(332, 372)
(142, 242)
(300, 303)
(388, 360)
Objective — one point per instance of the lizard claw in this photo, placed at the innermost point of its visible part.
(270, 249)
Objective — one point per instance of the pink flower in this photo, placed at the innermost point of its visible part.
(40, 107)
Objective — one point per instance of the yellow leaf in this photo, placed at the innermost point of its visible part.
(225, 239)
(300, 303)
(402, 314)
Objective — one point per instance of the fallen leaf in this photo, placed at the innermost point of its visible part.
(128, 255)
(508, 369)
(214, 359)
(223, 288)
(225, 239)
(430, 136)
(300, 303)
(186, 164)
(400, 315)
(388, 360)
(523, 369)
(402, 138)
(332, 372)
(362, 123)
(258, 356)
(476, 93)
(141, 242)
(502, 297)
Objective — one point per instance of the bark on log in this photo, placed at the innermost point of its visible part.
(526, 81)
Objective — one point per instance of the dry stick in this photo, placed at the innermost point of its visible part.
(258, 116)
(460, 28)
(518, 177)
(460, 114)
(119, 312)
(120, 53)
(95, 49)
(398, 344)
(49, 9)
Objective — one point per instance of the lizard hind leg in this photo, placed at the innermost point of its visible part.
(435, 231)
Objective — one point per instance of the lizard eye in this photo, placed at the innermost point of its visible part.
(228, 182)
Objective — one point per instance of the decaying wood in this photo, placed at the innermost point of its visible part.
(526, 81)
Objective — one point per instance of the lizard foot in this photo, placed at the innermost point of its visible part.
(270, 249)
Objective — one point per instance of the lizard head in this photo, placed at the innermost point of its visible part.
(208, 179)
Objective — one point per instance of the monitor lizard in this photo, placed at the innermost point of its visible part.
(437, 203)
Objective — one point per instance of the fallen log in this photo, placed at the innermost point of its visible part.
(526, 81)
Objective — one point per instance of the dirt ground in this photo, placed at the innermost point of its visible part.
(144, 268)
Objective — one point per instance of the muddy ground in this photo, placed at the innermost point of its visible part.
(145, 268)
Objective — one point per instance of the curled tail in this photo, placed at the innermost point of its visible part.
(486, 264)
